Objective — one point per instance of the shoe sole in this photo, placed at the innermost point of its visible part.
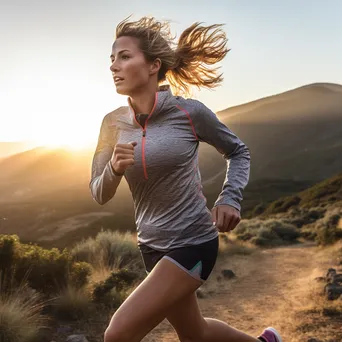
(275, 332)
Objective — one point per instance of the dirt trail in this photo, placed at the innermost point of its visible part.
(269, 287)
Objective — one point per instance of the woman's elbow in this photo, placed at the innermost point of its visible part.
(246, 152)
(98, 196)
(241, 151)
(100, 200)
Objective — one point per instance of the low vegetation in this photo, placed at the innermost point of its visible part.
(322, 194)
(313, 214)
(60, 285)
(271, 232)
(108, 249)
(46, 271)
(20, 315)
(95, 276)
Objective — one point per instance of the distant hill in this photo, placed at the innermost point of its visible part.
(44, 195)
(9, 148)
(32, 173)
(295, 139)
(290, 135)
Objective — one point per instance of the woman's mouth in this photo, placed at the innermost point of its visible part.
(117, 79)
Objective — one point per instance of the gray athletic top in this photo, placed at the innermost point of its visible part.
(170, 208)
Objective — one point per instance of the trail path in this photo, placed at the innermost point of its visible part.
(269, 288)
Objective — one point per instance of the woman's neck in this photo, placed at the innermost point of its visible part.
(143, 102)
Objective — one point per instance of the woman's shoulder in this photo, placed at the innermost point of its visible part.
(111, 118)
(191, 105)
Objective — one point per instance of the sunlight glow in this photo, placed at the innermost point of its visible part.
(69, 143)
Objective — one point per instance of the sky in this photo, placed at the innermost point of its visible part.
(55, 82)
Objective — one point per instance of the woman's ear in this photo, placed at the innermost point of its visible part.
(155, 66)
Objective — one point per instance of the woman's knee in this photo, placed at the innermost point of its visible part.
(114, 334)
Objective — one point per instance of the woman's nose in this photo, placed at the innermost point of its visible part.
(113, 67)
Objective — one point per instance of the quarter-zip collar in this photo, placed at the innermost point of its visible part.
(162, 102)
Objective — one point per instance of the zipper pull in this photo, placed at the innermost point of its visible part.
(144, 133)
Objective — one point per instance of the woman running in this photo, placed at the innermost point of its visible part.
(153, 143)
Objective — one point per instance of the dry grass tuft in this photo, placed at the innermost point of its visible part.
(72, 304)
(20, 315)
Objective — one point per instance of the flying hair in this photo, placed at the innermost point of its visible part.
(186, 63)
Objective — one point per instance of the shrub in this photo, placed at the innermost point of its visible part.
(115, 284)
(283, 230)
(109, 249)
(72, 303)
(46, 271)
(263, 232)
(323, 192)
(248, 227)
(263, 242)
(283, 205)
(50, 270)
(309, 233)
(8, 244)
(258, 209)
(113, 298)
(327, 229)
(20, 319)
(302, 216)
(267, 234)
(79, 274)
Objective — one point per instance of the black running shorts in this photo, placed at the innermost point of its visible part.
(197, 260)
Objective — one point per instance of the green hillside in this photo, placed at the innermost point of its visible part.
(324, 193)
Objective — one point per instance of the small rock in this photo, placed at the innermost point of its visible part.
(337, 278)
(331, 270)
(330, 312)
(330, 274)
(333, 291)
(228, 274)
(76, 338)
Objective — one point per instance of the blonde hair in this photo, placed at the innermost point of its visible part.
(185, 64)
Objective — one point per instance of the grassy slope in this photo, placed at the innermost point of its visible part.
(326, 192)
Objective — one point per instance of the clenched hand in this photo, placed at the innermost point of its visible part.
(123, 157)
(225, 217)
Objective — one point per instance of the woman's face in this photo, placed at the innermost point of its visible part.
(130, 69)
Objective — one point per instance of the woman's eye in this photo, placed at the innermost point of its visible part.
(125, 57)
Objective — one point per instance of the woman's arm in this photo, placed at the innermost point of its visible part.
(104, 182)
(211, 130)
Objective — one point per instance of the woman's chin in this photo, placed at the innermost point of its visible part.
(121, 90)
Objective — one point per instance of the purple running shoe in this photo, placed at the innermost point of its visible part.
(270, 335)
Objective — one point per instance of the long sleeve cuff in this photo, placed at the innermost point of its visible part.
(103, 187)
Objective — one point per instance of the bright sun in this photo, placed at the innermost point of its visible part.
(70, 137)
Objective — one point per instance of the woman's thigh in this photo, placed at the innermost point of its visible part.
(186, 318)
(149, 303)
